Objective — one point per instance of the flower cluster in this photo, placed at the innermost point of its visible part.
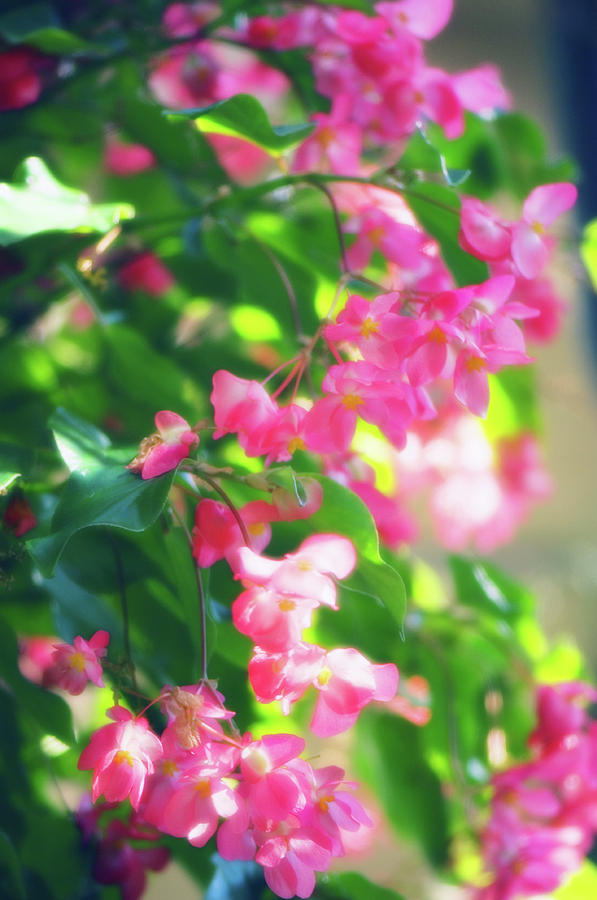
(201, 777)
(277, 607)
(544, 812)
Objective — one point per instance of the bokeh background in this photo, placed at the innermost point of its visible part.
(545, 52)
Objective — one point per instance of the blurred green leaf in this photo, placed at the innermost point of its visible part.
(11, 875)
(107, 495)
(351, 886)
(81, 445)
(243, 116)
(14, 462)
(588, 251)
(437, 209)
(37, 202)
(342, 512)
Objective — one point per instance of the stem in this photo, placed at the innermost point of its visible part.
(200, 594)
(125, 614)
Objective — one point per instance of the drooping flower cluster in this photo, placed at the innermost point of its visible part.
(277, 607)
(275, 807)
(544, 812)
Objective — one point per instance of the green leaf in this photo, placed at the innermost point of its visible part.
(483, 586)
(421, 153)
(108, 495)
(342, 512)
(81, 445)
(11, 876)
(351, 886)
(14, 462)
(389, 756)
(243, 116)
(17, 24)
(588, 251)
(437, 209)
(58, 41)
(37, 202)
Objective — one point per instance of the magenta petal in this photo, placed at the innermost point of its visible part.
(163, 458)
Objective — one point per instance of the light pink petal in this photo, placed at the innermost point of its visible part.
(386, 681)
(233, 844)
(548, 201)
(329, 553)
(326, 722)
(471, 386)
(529, 250)
(272, 852)
(424, 18)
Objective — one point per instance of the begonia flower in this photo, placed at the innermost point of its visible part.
(77, 663)
(166, 448)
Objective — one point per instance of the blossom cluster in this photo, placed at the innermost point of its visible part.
(544, 812)
(201, 777)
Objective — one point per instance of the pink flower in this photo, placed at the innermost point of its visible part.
(541, 208)
(77, 663)
(166, 448)
(36, 659)
(127, 159)
(347, 683)
(285, 676)
(276, 790)
(291, 860)
(335, 145)
(121, 755)
(242, 407)
(186, 19)
(216, 533)
(304, 574)
(425, 20)
(145, 272)
(482, 233)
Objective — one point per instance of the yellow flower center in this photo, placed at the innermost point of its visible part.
(324, 802)
(369, 327)
(296, 443)
(286, 605)
(77, 661)
(256, 528)
(437, 335)
(169, 767)
(324, 676)
(123, 756)
(475, 364)
(351, 401)
(538, 228)
(203, 788)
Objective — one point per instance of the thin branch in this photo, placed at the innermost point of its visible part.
(219, 490)
(200, 594)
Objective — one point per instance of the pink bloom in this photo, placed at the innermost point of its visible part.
(193, 711)
(216, 533)
(276, 790)
(166, 448)
(285, 676)
(481, 90)
(375, 327)
(335, 145)
(397, 242)
(122, 755)
(79, 663)
(541, 208)
(361, 389)
(347, 683)
(425, 20)
(273, 620)
(186, 19)
(304, 574)
(242, 407)
(290, 507)
(243, 161)
(336, 811)
(145, 272)
(482, 233)
(185, 76)
(36, 659)
(127, 159)
(20, 83)
(290, 861)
